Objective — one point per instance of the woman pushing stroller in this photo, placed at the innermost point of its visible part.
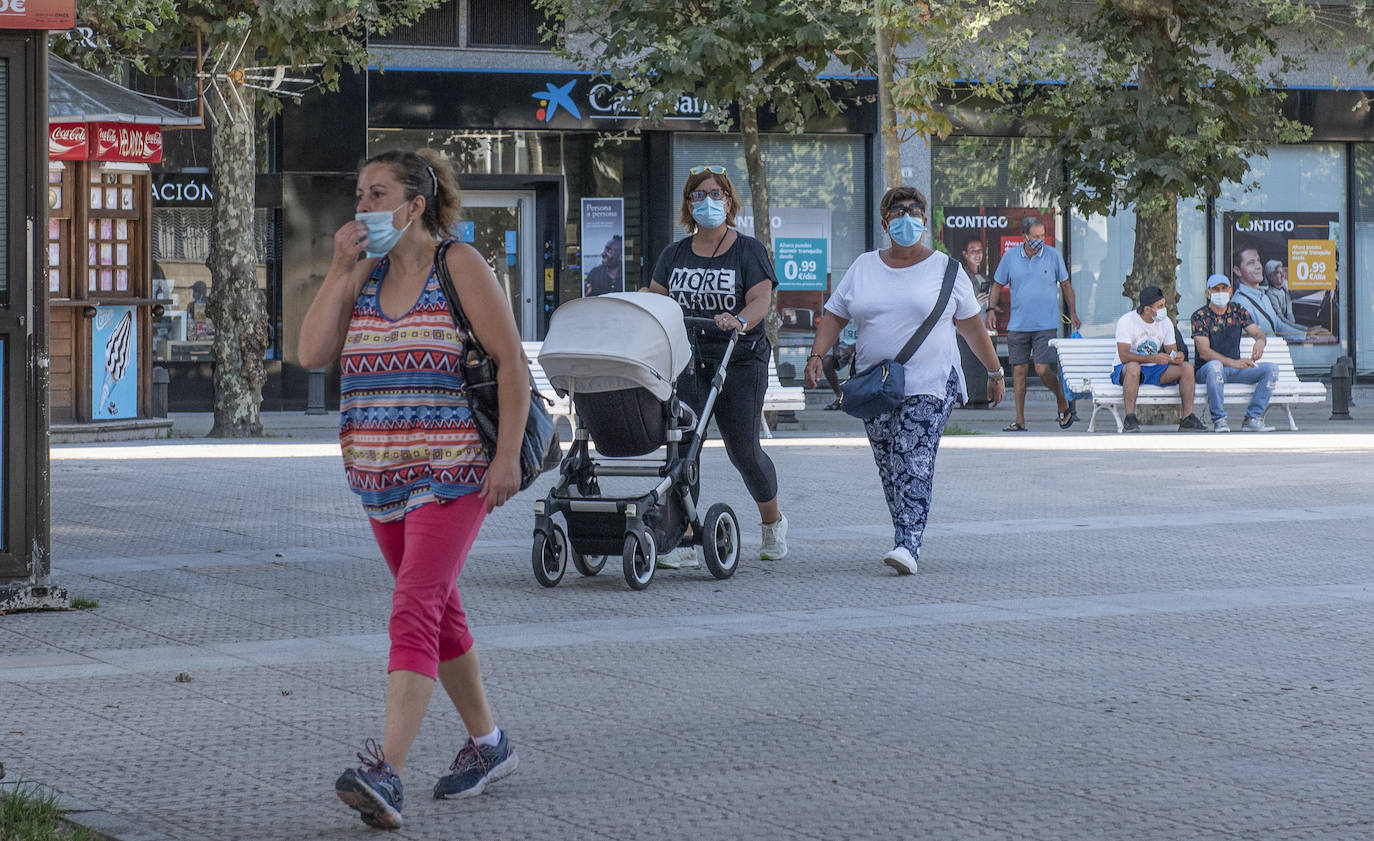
(721, 274)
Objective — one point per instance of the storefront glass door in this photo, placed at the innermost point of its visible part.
(500, 225)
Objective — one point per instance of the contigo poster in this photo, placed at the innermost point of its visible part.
(603, 245)
(114, 364)
(978, 237)
(1283, 269)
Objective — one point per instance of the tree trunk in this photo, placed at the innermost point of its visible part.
(758, 188)
(1155, 260)
(887, 113)
(238, 308)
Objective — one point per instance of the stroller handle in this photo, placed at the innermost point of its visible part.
(708, 324)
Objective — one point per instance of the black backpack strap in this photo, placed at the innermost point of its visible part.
(946, 288)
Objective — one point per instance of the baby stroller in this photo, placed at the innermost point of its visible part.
(620, 355)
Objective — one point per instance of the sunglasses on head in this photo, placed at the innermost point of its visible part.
(697, 170)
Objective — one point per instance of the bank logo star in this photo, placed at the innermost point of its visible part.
(552, 97)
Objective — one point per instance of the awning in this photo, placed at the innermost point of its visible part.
(79, 96)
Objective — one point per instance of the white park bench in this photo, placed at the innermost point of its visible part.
(1087, 365)
(562, 405)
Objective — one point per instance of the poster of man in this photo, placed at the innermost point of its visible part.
(603, 246)
(978, 237)
(1283, 267)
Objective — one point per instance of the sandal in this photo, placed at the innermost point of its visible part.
(1013, 427)
(1066, 418)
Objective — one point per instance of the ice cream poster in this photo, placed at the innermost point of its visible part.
(114, 364)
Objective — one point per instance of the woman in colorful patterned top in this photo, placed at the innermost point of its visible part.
(412, 454)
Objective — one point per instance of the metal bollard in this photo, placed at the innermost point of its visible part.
(1342, 381)
(314, 400)
(159, 394)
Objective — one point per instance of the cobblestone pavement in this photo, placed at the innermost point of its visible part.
(1111, 637)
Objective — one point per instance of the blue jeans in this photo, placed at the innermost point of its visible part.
(1264, 376)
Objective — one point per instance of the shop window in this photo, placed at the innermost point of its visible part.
(59, 232)
(1101, 252)
(504, 23)
(1363, 163)
(180, 249)
(1282, 242)
(113, 242)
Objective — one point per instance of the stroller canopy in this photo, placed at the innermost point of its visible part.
(616, 341)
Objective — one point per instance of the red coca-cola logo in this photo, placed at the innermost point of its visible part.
(67, 141)
(127, 142)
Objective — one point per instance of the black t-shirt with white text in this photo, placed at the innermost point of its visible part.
(704, 286)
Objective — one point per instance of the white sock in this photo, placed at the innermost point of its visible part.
(490, 740)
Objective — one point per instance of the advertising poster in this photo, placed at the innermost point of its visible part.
(114, 364)
(978, 236)
(1283, 269)
(603, 246)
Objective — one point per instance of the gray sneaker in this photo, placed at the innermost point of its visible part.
(1255, 425)
(683, 557)
(1221, 426)
(373, 789)
(476, 767)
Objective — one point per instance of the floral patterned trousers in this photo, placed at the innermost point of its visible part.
(905, 441)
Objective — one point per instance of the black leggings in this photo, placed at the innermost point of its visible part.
(738, 413)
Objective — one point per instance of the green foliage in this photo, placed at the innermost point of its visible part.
(159, 36)
(1154, 100)
(29, 813)
(753, 53)
(84, 604)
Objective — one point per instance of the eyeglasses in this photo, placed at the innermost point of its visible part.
(701, 195)
(697, 170)
(898, 211)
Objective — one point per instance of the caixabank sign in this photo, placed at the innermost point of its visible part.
(464, 99)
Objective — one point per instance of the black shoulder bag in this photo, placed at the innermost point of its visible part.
(539, 447)
(883, 387)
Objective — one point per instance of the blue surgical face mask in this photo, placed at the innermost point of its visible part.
(906, 230)
(1220, 299)
(1035, 244)
(709, 212)
(382, 233)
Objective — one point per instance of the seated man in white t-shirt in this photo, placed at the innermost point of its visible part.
(1146, 351)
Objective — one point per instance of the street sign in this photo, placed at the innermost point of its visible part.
(801, 262)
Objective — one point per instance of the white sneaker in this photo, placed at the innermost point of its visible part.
(683, 557)
(1221, 426)
(1255, 425)
(900, 559)
(774, 541)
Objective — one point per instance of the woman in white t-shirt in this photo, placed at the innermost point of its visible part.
(888, 294)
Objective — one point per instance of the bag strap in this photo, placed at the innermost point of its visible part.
(455, 307)
(947, 287)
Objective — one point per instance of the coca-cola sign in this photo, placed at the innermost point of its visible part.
(67, 141)
(126, 142)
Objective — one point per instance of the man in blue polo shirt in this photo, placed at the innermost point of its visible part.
(1034, 274)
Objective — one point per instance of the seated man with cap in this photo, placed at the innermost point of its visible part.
(1217, 329)
(1147, 352)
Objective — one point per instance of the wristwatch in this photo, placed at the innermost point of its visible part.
(997, 375)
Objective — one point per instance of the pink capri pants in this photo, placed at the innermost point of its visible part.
(425, 552)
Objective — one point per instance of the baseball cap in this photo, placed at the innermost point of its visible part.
(1218, 280)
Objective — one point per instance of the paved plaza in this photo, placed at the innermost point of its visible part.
(1155, 636)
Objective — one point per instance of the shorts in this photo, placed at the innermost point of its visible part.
(1023, 346)
(1149, 374)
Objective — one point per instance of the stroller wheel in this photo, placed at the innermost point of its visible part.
(550, 556)
(588, 565)
(639, 559)
(720, 540)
